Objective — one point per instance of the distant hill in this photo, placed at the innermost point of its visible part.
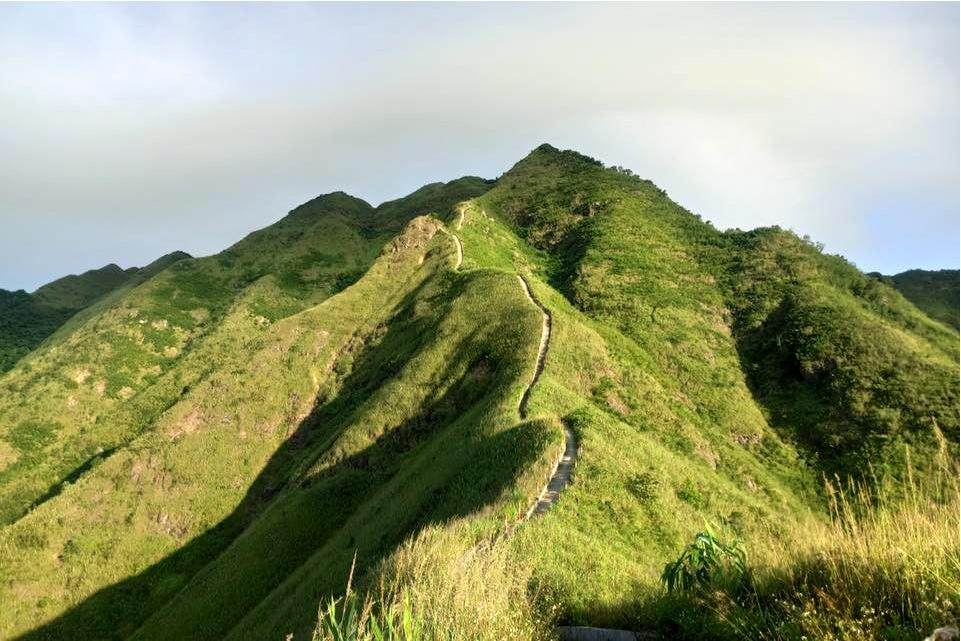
(76, 292)
(936, 293)
(27, 319)
(385, 390)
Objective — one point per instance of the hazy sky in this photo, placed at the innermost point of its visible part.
(131, 130)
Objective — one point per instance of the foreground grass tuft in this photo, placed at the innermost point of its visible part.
(440, 586)
(881, 568)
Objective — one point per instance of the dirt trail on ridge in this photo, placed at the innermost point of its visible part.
(460, 248)
(563, 466)
(561, 474)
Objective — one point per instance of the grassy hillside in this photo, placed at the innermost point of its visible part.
(933, 292)
(209, 454)
(85, 401)
(27, 319)
(751, 363)
(77, 292)
(805, 326)
(108, 375)
(24, 323)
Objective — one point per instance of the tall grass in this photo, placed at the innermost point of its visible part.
(439, 586)
(884, 566)
(352, 618)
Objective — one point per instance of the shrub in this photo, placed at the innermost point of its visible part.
(706, 563)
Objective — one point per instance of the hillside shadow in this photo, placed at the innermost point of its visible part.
(796, 402)
(329, 498)
(566, 258)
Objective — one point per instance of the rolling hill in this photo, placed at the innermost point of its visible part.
(27, 319)
(933, 292)
(211, 452)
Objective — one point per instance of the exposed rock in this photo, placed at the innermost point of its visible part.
(585, 633)
(947, 633)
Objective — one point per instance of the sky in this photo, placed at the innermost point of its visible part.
(131, 130)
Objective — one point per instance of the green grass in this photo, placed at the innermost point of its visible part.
(884, 566)
(27, 319)
(934, 292)
(212, 453)
(24, 323)
(651, 340)
(220, 339)
(137, 351)
(343, 462)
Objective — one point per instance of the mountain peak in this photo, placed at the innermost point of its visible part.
(546, 156)
(546, 148)
(339, 201)
(307, 373)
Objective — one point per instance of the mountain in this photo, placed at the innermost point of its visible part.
(933, 292)
(384, 391)
(27, 319)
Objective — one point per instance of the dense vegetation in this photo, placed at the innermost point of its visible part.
(211, 454)
(27, 319)
(934, 292)
(24, 323)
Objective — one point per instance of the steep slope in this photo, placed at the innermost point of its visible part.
(804, 325)
(139, 368)
(695, 367)
(352, 387)
(656, 450)
(933, 292)
(112, 371)
(428, 430)
(24, 323)
(27, 319)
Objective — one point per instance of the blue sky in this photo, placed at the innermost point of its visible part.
(131, 130)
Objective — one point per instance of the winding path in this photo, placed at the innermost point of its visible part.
(561, 472)
(541, 351)
(460, 252)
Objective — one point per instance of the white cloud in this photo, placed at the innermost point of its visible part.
(184, 126)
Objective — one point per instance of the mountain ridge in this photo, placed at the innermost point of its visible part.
(935, 292)
(218, 446)
(28, 319)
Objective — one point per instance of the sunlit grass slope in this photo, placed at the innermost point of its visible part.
(27, 319)
(193, 328)
(424, 428)
(832, 358)
(710, 376)
(119, 365)
(658, 450)
(208, 455)
(415, 421)
(936, 293)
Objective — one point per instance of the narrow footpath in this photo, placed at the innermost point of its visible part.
(561, 473)
(541, 351)
(563, 466)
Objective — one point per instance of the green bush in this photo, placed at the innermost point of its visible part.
(706, 563)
